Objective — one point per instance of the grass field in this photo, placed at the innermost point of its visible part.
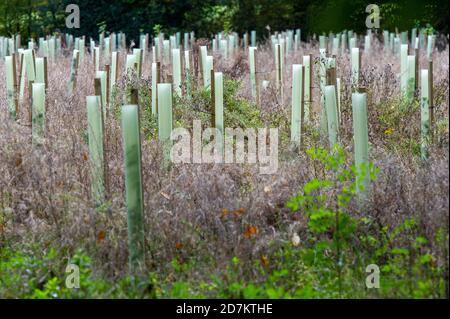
(225, 230)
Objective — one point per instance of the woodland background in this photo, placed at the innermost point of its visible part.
(205, 17)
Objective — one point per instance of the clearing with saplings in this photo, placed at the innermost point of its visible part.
(246, 164)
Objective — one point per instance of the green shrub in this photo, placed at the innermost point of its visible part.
(238, 112)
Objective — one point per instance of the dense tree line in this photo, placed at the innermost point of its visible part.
(38, 17)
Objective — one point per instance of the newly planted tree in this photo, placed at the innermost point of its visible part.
(187, 72)
(96, 148)
(165, 116)
(176, 69)
(425, 114)
(73, 70)
(356, 65)
(297, 103)
(252, 62)
(218, 111)
(133, 186)
(38, 113)
(11, 86)
(361, 141)
(307, 87)
(332, 115)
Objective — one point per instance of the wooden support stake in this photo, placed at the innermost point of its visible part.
(308, 86)
(196, 66)
(141, 54)
(331, 76)
(134, 97)
(30, 109)
(108, 83)
(280, 81)
(416, 54)
(213, 94)
(425, 133)
(182, 71)
(118, 67)
(46, 73)
(33, 54)
(95, 60)
(257, 80)
(252, 66)
(158, 80)
(430, 94)
(97, 87)
(16, 86)
(302, 108)
(77, 64)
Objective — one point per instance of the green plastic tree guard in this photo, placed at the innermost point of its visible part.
(361, 140)
(322, 42)
(187, 72)
(307, 88)
(73, 67)
(355, 68)
(411, 77)
(40, 70)
(113, 76)
(29, 65)
(352, 43)
(279, 73)
(97, 58)
(130, 64)
(338, 97)
(133, 186)
(164, 91)
(103, 79)
(424, 114)
(323, 81)
(367, 44)
(403, 68)
(38, 113)
(82, 49)
(176, 66)
(10, 87)
(253, 38)
(252, 63)
(95, 135)
(154, 86)
(208, 67)
(218, 115)
(139, 55)
(297, 95)
(429, 46)
(166, 51)
(223, 44)
(332, 116)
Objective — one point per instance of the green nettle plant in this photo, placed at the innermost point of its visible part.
(331, 226)
(157, 28)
